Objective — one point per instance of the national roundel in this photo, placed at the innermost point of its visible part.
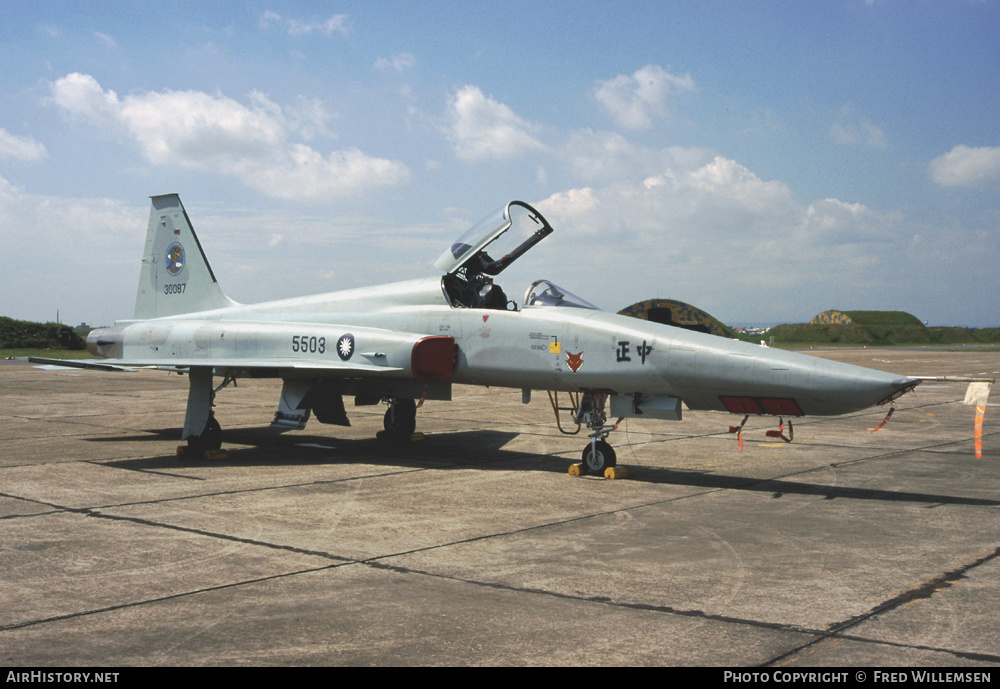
(175, 258)
(345, 346)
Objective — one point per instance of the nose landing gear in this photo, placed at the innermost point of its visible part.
(599, 458)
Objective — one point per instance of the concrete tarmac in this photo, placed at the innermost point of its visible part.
(475, 547)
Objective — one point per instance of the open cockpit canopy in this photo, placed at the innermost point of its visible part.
(508, 232)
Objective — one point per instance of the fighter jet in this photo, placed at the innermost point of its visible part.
(407, 342)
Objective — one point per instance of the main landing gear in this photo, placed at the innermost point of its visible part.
(201, 398)
(400, 420)
(210, 441)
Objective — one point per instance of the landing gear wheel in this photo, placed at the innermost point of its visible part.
(210, 440)
(211, 437)
(401, 418)
(195, 447)
(599, 456)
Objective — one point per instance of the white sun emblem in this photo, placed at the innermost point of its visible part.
(345, 346)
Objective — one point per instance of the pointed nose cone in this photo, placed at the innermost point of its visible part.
(900, 387)
(836, 388)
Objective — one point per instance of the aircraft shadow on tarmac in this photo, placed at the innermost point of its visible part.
(263, 447)
(482, 449)
(779, 488)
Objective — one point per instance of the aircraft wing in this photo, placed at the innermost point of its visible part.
(344, 367)
(80, 363)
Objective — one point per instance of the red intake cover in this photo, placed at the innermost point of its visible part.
(433, 358)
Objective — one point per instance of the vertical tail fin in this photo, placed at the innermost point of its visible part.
(176, 277)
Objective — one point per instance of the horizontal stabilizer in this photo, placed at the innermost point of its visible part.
(78, 363)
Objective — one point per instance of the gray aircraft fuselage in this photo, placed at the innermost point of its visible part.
(415, 339)
(530, 349)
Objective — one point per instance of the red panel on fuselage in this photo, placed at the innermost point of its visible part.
(742, 405)
(775, 406)
(433, 358)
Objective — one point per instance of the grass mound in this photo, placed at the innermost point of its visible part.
(880, 328)
(884, 319)
(827, 333)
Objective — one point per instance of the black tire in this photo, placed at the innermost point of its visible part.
(211, 437)
(195, 447)
(401, 418)
(596, 463)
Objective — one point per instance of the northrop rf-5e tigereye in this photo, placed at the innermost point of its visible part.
(409, 341)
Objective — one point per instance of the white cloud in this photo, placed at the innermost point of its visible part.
(725, 179)
(268, 17)
(569, 205)
(397, 63)
(964, 166)
(105, 39)
(196, 129)
(296, 27)
(634, 101)
(694, 225)
(215, 133)
(335, 24)
(874, 136)
(692, 192)
(604, 156)
(850, 130)
(308, 174)
(20, 147)
(832, 221)
(80, 94)
(307, 117)
(482, 128)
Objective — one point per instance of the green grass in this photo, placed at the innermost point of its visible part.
(878, 329)
(826, 334)
(882, 319)
(988, 335)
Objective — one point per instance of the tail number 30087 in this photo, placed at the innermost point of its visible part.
(311, 345)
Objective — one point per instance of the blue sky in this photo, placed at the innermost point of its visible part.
(765, 161)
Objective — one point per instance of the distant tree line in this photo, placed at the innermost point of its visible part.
(16, 334)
